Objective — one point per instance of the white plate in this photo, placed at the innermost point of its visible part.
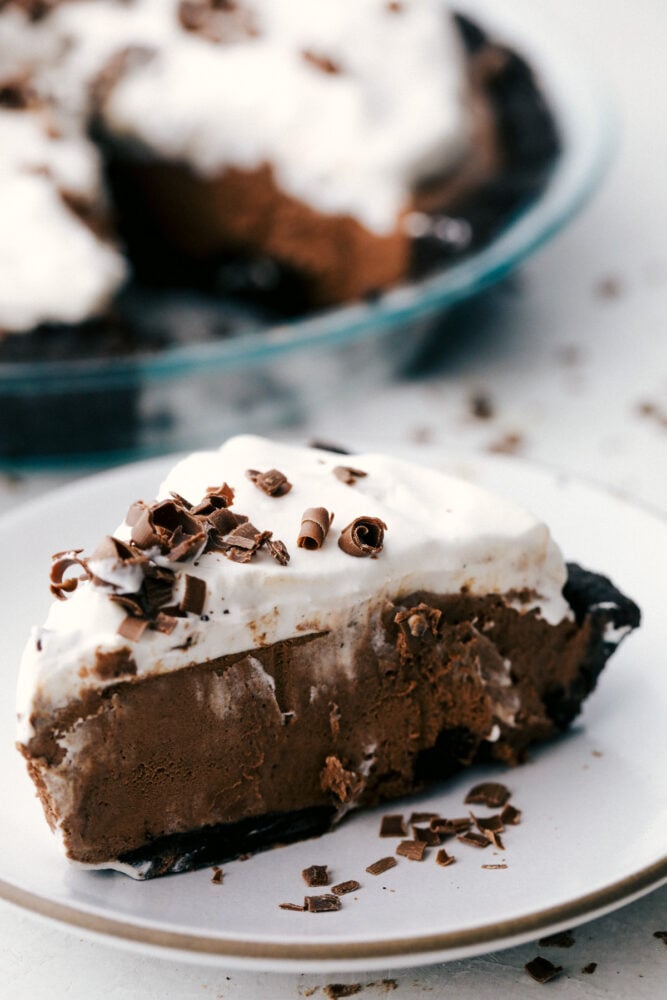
(594, 802)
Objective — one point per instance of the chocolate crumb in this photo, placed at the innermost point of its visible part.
(348, 475)
(325, 903)
(508, 444)
(562, 939)
(115, 663)
(481, 406)
(321, 62)
(342, 888)
(291, 906)
(542, 970)
(510, 816)
(412, 849)
(609, 288)
(661, 935)
(316, 875)
(274, 483)
(315, 524)
(336, 990)
(393, 826)
(381, 866)
(474, 839)
(653, 410)
(589, 969)
(488, 793)
(493, 867)
(444, 859)
(218, 875)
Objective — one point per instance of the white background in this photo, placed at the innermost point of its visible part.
(570, 352)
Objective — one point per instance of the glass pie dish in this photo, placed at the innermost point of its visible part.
(208, 366)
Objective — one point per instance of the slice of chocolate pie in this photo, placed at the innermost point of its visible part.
(287, 634)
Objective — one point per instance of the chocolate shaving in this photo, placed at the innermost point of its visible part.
(194, 595)
(489, 793)
(335, 449)
(325, 903)
(291, 906)
(426, 834)
(363, 537)
(241, 544)
(336, 991)
(164, 623)
(510, 816)
(422, 817)
(347, 474)
(412, 849)
(342, 888)
(62, 561)
(316, 875)
(542, 970)
(215, 498)
(562, 939)
(274, 483)
(218, 876)
(589, 969)
(443, 859)
(488, 824)
(474, 839)
(661, 935)
(393, 825)
(278, 551)
(315, 524)
(381, 866)
(449, 827)
(493, 867)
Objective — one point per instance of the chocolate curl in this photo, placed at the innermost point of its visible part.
(348, 475)
(315, 524)
(62, 561)
(363, 537)
(274, 483)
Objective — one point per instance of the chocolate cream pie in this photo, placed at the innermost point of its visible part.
(286, 635)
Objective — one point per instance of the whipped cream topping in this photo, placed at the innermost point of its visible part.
(442, 534)
(53, 268)
(350, 101)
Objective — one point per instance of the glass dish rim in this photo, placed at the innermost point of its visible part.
(586, 122)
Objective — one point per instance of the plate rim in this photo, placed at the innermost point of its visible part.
(332, 954)
(329, 955)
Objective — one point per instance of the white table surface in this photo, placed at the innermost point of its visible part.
(573, 354)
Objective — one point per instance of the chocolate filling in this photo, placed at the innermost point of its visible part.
(193, 767)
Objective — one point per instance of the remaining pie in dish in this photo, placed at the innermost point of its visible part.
(287, 634)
